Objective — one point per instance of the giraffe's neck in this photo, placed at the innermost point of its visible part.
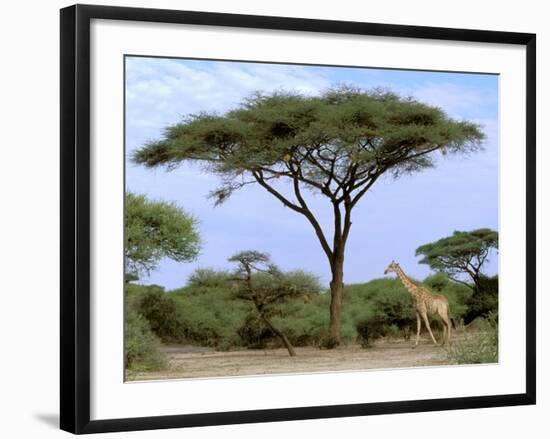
(407, 283)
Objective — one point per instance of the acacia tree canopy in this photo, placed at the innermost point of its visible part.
(154, 230)
(337, 144)
(263, 283)
(463, 253)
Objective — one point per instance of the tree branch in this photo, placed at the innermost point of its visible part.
(259, 178)
(362, 192)
(303, 208)
(309, 215)
(481, 261)
(427, 151)
(309, 156)
(454, 279)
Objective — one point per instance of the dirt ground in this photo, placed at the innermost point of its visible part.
(195, 362)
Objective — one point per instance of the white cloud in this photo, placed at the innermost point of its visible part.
(457, 100)
(161, 91)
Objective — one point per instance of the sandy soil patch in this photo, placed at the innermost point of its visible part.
(193, 362)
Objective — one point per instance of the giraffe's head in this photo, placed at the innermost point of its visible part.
(392, 267)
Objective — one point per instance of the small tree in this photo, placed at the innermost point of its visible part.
(337, 144)
(461, 255)
(258, 280)
(154, 230)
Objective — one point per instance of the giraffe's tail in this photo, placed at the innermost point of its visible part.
(453, 323)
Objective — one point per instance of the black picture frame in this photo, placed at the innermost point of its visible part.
(75, 218)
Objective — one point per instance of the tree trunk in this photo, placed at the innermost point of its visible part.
(336, 296)
(279, 334)
(477, 283)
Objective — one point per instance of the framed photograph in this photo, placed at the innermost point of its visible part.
(304, 218)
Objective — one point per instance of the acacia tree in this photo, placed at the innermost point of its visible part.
(337, 144)
(462, 254)
(155, 230)
(262, 283)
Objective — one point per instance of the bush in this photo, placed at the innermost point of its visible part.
(304, 320)
(254, 334)
(209, 278)
(379, 308)
(484, 300)
(141, 346)
(371, 330)
(328, 343)
(159, 308)
(209, 317)
(479, 346)
(206, 313)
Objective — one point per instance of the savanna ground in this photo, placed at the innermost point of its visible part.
(194, 362)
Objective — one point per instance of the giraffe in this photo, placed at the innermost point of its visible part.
(425, 304)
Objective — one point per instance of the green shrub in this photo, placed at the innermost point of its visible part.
(254, 333)
(484, 300)
(371, 330)
(206, 313)
(159, 308)
(209, 317)
(141, 346)
(379, 308)
(328, 343)
(305, 322)
(479, 346)
(209, 278)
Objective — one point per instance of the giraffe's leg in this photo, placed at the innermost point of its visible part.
(418, 326)
(444, 332)
(444, 314)
(427, 323)
(447, 323)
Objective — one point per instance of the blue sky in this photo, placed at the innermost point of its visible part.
(390, 222)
